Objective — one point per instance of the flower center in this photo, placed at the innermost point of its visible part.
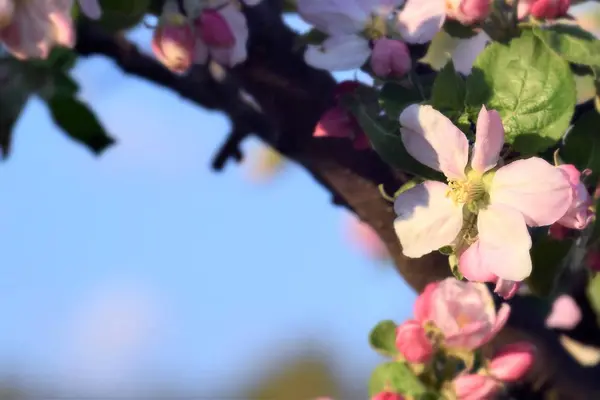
(376, 27)
(465, 192)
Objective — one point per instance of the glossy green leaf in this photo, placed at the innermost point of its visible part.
(449, 91)
(119, 15)
(548, 257)
(531, 87)
(395, 97)
(395, 377)
(571, 42)
(383, 338)
(79, 122)
(458, 30)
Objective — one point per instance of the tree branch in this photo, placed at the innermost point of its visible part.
(292, 97)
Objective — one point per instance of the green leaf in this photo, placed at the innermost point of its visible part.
(389, 145)
(458, 30)
(79, 122)
(582, 144)
(383, 338)
(119, 15)
(547, 256)
(449, 91)
(14, 94)
(593, 294)
(395, 97)
(530, 86)
(396, 377)
(571, 43)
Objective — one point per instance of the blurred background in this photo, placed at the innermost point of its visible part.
(143, 274)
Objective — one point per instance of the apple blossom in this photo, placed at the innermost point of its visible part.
(512, 362)
(483, 211)
(543, 9)
(412, 342)
(30, 29)
(505, 288)
(467, 12)
(222, 34)
(390, 58)
(579, 214)
(387, 396)
(465, 313)
(475, 387)
(173, 41)
(565, 313)
(351, 24)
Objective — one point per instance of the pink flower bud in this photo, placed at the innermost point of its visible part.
(476, 387)
(468, 12)
(505, 288)
(544, 9)
(387, 396)
(565, 313)
(339, 123)
(7, 10)
(412, 342)
(512, 362)
(214, 29)
(173, 43)
(390, 58)
(579, 215)
(423, 305)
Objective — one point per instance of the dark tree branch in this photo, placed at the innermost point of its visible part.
(292, 97)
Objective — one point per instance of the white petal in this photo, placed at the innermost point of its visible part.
(339, 53)
(427, 219)
(420, 20)
(504, 242)
(535, 188)
(433, 140)
(467, 50)
(336, 17)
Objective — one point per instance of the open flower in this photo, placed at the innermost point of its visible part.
(351, 24)
(483, 211)
(463, 312)
(30, 29)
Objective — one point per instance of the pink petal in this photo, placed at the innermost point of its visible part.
(501, 320)
(504, 242)
(423, 307)
(433, 140)
(488, 141)
(565, 313)
(535, 188)
(420, 20)
(473, 265)
(505, 288)
(427, 219)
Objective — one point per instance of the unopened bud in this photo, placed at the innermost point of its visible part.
(512, 362)
(468, 12)
(214, 30)
(476, 387)
(412, 342)
(390, 58)
(173, 43)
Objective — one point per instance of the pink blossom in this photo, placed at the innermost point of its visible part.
(412, 342)
(579, 215)
(467, 12)
(483, 211)
(347, 21)
(390, 58)
(174, 41)
(221, 34)
(423, 308)
(7, 10)
(465, 313)
(339, 123)
(512, 362)
(37, 26)
(565, 313)
(387, 396)
(475, 387)
(543, 9)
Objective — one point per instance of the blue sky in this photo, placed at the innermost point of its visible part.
(146, 263)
